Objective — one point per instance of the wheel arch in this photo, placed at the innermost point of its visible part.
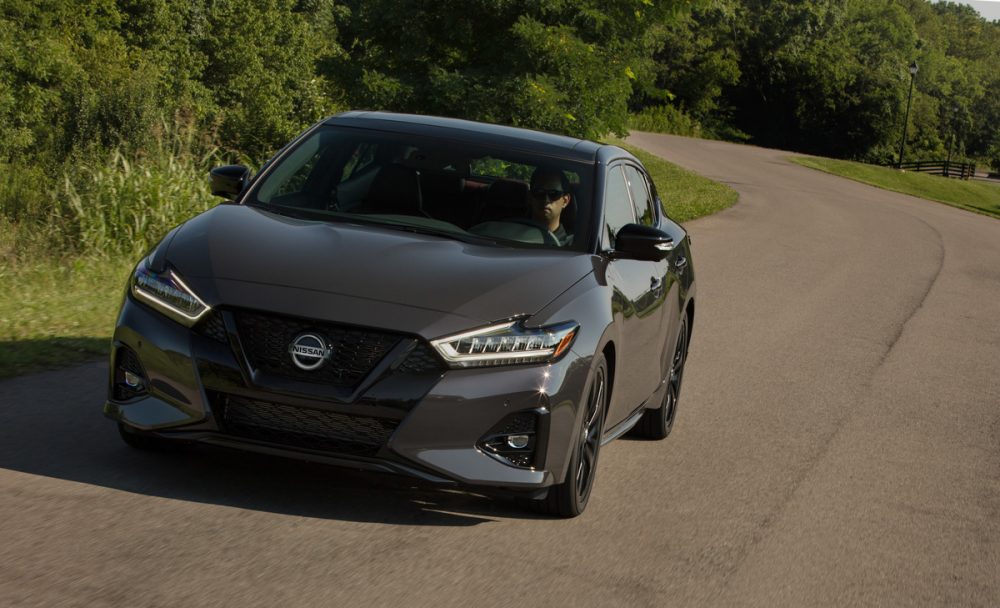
(609, 358)
(689, 311)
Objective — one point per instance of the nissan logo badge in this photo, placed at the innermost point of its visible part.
(309, 352)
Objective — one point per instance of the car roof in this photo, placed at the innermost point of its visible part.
(481, 133)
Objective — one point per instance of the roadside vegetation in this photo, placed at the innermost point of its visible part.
(64, 261)
(981, 197)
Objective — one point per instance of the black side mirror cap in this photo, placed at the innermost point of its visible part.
(229, 181)
(638, 242)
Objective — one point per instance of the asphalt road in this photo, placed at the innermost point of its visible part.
(838, 444)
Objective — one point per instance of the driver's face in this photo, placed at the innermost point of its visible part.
(543, 205)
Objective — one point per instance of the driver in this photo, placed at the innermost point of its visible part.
(548, 196)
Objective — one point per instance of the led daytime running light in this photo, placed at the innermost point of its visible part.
(506, 344)
(167, 292)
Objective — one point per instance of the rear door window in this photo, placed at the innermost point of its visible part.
(644, 205)
(618, 209)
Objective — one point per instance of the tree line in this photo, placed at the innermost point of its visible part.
(828, 77)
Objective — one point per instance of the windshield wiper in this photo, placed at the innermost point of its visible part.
(463, 236)
(302, 213)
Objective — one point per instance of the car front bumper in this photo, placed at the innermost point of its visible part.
(430, 424)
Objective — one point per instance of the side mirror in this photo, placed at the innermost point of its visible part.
(228, 181)
(638, 242)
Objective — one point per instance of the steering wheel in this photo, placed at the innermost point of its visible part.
(547, 237)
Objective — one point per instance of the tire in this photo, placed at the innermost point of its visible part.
(147, 442)
(570, 498)
(657, 423)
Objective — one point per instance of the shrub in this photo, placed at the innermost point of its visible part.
(666, 119)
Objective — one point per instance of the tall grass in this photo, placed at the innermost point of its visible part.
(69, 234)
(111, 202)
(126, 206)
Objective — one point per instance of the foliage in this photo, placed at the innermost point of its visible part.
(695, 61)
(100, 74)
(993, 155)
(831, 77)
(666, 119)
(564, 66)
(110, 203)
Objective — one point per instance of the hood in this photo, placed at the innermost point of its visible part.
(245, 256)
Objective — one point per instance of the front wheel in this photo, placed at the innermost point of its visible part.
(657, 424)
(569, 498)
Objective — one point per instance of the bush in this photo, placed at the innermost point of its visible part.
(994, 157)
(666, 119)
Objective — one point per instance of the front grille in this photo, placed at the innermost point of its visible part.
(266, 339)
(213, 327)
(305, 427)
(421, 360)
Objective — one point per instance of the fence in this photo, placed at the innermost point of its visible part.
(942, 167)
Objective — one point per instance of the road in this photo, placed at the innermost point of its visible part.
(838, 444)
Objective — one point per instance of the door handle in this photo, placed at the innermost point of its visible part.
(681, 263)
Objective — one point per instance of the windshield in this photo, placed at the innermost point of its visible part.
(443, 187)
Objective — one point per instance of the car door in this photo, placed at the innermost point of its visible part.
(637, 297)
(666, 291)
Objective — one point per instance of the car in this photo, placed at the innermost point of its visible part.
(383, 295)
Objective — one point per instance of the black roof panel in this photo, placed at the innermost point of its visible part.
(526, 140)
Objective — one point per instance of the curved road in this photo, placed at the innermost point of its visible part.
(838, 444)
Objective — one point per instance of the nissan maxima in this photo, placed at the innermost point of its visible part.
(471, 304)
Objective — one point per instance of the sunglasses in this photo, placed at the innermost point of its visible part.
(550, 194)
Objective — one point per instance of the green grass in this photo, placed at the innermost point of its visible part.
(685, 194)
(58, 312)
(70, 234)
(979, 197)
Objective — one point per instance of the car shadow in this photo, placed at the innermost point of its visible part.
(51, 424)
(26, 356)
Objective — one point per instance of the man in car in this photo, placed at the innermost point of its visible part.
(547, 198)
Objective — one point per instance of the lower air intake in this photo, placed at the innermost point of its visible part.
(306, 428)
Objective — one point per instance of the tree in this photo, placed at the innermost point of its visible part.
(565, 66)
(820, 76)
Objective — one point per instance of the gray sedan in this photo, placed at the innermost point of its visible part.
(475, 305)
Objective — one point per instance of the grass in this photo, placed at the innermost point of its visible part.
(55, 313)
(979, 197)
(64, 273)
(685, 194)
(67, 244)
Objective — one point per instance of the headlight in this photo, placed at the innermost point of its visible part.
(166, 292)
(507, 343)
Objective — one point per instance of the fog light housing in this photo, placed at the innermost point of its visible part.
(129, 378)
(514, 440)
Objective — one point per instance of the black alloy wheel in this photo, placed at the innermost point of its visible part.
(657, 423)
(569, 498)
